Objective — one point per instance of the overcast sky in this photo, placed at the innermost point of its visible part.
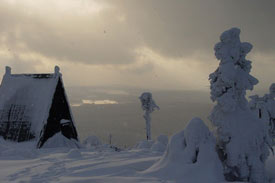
(158, 44)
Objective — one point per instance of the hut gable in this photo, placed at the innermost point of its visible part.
(32, 106)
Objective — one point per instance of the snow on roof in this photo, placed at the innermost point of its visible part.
(31, 96)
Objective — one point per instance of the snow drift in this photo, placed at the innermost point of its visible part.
(160, 144)
(144, 144)
(92, 141)
(190, 156)
(58, 140)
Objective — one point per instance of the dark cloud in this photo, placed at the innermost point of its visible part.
(174, 29)
(181, 27)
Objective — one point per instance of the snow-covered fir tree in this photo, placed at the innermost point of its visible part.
(148, 105)
(264, 108)
(271, 111)
(241, 136)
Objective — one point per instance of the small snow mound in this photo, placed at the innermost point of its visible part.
(145, 144)
(158, 147)
(92, 141)
(161, 144)
(74, 154)
(163, 139)
(58, 140)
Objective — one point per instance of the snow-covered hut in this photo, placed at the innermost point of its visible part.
(34, 106)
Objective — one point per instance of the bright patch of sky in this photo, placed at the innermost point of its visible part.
(145, 44)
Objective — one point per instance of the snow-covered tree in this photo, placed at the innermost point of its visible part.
(148, 105)
(241, 136)
(271, 110)
(264, 108)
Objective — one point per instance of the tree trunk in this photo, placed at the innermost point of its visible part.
(148, 124)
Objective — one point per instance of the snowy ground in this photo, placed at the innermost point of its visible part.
(23, 163)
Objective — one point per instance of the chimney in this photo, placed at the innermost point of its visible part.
(56, 70)
(8, 70)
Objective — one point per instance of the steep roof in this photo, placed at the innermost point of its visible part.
(30, 95)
